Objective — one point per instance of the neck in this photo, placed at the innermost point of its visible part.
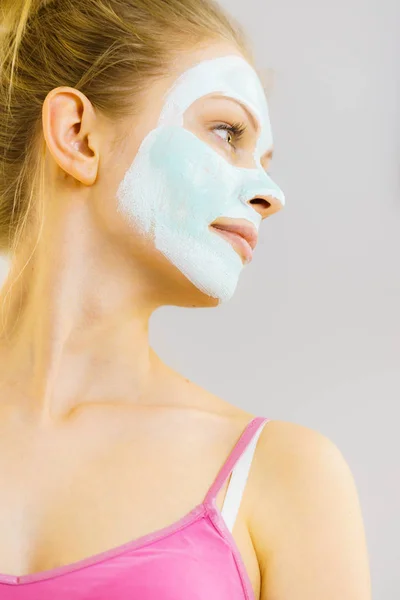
(75, 324)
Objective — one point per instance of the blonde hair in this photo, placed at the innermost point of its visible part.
(110, 50)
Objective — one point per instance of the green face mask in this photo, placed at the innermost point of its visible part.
(178, 185)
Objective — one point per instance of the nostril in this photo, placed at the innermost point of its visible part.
(262, 201)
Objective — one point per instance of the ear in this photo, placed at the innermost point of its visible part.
(69, 128)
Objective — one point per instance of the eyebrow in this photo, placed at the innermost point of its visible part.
(269, 153)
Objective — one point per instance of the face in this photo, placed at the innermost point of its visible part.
(191, 171)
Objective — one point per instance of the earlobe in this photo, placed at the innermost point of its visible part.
(68, 121)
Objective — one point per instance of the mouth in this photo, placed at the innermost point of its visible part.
(241, 244)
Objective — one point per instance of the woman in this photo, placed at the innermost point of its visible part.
(134, 136)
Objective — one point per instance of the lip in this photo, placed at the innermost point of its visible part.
(241, 233)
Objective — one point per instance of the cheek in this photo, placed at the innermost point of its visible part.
(193, 182)
(176, 186)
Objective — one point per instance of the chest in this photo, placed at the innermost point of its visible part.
(67, 498)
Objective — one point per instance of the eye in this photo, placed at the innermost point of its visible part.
(235, 131)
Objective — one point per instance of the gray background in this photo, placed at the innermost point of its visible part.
(313, 334)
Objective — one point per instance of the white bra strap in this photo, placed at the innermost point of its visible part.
(237, 483)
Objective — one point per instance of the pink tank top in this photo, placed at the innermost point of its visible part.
(195, 557)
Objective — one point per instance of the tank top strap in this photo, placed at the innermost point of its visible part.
(248, 435)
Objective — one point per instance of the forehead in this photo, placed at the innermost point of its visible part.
(231, 76)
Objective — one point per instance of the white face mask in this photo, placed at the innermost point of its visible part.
(178, 185)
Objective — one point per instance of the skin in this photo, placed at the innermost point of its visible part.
(83, 396)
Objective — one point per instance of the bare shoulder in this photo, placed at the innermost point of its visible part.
(305, 521)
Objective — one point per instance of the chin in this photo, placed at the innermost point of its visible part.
(186, 295)
(189, 287)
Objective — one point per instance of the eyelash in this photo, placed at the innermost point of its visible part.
(237, 129)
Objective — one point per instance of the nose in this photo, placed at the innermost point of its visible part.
(266, 205)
